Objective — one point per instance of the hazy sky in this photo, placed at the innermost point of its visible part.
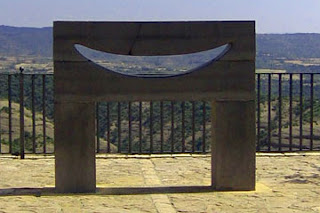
(271, 16)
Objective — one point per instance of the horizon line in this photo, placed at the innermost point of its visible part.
(42, 27)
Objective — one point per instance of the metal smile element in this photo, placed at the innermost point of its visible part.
(153, 66)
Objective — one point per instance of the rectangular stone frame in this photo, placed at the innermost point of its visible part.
(229, 83)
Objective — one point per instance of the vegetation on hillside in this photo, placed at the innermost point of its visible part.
(273, 50)
(22, 41)
(4, 129)
(32, 48)
(289, 46)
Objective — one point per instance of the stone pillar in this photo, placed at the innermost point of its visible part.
(75, 147)
(233, 145)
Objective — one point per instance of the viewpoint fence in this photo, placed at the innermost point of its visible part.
(287, 114)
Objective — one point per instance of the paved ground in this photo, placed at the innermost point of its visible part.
(284, 184)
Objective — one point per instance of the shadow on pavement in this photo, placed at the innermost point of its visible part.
(51, 191)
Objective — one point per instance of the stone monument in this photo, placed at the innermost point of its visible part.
(227, 82)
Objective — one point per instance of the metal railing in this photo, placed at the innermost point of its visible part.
(25, 100)
(288, 112)
(153, 127)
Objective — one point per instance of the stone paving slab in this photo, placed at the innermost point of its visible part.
(289, 183)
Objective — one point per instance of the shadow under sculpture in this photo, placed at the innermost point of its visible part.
(228, 82)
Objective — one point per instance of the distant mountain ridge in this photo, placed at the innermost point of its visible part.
(19, 41)
(290, 46)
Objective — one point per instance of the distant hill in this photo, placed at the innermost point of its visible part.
(290, 46)
(17, 41)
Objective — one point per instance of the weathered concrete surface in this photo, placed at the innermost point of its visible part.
(233, 149)
(284, 184)
(230, 77)
(75, 147)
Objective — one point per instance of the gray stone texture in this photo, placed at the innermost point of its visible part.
(75, 147)
(233, 150)
(229, 82)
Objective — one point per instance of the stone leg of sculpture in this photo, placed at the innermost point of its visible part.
(75, 167)
(233, 145)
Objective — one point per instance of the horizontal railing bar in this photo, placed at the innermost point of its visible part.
(288, 73)
(31, 73)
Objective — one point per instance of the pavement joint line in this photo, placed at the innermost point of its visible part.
(161, 202)
(279, 186)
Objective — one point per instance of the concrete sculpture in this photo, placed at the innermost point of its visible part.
(228, 82)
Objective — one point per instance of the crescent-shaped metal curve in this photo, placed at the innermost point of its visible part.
(210, 55)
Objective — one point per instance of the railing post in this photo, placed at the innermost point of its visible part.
(129, 127)
(311, 112)
(151, 127)
(290, 112)
(140, 127)
(172, 127)
(33, 114)
(204, 126)
(97, 128)
(44, 127)
(119, 127)
(21, 80)
(258, 111)
(193, 126)
(183, 142)
(108, 127)
(161, 127)
(301, 113)
(10, 114)
(269, 111)
(280, 113)
(0, 132)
